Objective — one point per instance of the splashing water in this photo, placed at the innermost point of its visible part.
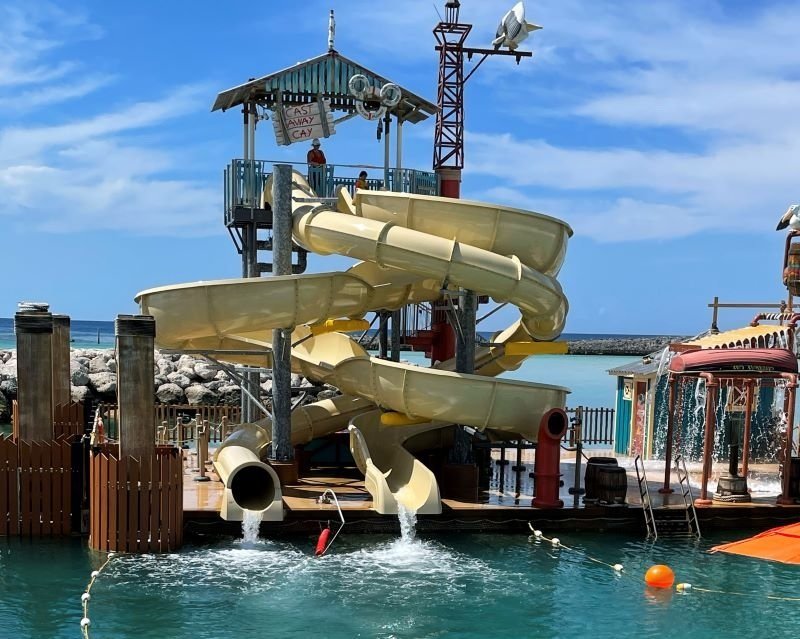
(250, 525)
(408, 523)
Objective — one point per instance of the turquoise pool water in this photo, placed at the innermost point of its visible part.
(465, 586)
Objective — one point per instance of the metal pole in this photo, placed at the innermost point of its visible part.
(383, 347)
(465, 363)
(465, 340)
(399, 152)
(386, 144)
(395, 357)
(282, 450)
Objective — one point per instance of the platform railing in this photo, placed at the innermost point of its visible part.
(597, 426)
(244, 181)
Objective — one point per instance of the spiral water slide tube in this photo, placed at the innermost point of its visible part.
(413, 247)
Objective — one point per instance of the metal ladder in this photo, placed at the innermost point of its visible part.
(644, 493)
(692, 523)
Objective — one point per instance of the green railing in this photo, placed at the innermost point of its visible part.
(245, 179)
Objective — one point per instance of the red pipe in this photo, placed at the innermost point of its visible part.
(708, 443)
(666, 490)
(547, 463)
(787, 454)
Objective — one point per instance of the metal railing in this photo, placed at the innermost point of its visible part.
(597, 426)
(244, 181)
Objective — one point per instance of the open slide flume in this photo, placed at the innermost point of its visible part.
(412, 248)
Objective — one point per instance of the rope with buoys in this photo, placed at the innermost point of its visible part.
(556, 543)
(87, 596)
(659, 575)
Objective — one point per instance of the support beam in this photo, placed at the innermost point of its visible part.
(135, 360)
(282, 450)
(465, 363)
(383, 335)
(34, 330)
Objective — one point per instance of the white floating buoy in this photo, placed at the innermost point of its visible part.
(537, 534)
(86, 596)
(617, 567)
(556, 541)
(683, 587)
(111, 555)
(95, 573)
(85, 622)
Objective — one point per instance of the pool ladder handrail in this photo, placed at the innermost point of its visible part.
(644, 493)
(692, 522)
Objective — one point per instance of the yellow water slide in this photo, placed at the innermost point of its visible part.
(412, 247)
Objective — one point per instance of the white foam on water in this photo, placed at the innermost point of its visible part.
(408, 523)
(251, 523)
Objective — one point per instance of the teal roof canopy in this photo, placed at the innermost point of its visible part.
(326, 75)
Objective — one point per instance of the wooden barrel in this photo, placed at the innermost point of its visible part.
(612, 485)
(590, 478)
(791, 276)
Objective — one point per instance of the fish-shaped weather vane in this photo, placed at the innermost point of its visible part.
(513, 29)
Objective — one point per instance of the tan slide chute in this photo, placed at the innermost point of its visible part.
(413, 246)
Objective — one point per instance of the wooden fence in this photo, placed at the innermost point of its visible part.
(136, 506)
(35, 488)
(597, 425)
(68, 420)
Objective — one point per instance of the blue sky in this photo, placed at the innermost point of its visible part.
(665, 133)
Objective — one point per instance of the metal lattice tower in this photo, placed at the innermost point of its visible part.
(448, 147)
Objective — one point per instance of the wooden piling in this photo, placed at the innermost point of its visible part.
(34, 330)
(135, 342)
(60, 347)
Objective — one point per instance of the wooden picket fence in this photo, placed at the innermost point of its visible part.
(68, 420)
(597, 425)
(35, 488)
(136, 505)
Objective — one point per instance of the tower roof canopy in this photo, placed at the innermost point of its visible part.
(326, 75)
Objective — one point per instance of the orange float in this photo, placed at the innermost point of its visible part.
(659, 576)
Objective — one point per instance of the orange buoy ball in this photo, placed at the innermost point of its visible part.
(659, 576)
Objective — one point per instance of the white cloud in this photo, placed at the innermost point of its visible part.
(88, 173)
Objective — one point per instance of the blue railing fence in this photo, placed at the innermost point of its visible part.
(245, 179)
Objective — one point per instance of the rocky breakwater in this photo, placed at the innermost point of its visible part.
(634, 346)
(177, 379)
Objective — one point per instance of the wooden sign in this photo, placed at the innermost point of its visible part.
(303, 122)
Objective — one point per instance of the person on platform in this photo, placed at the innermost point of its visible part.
(316, 167)
(361, 182)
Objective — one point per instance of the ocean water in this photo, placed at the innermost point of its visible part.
(464, 586)
(100, 334)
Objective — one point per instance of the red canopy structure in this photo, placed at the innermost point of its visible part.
(777, 544)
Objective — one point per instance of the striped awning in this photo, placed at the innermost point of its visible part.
(766, 336)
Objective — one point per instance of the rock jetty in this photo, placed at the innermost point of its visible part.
(177, 379)
(634, 346)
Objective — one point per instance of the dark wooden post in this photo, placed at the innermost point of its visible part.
(61, 377)
(748, 423)
(135, 342)
(34, 329)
